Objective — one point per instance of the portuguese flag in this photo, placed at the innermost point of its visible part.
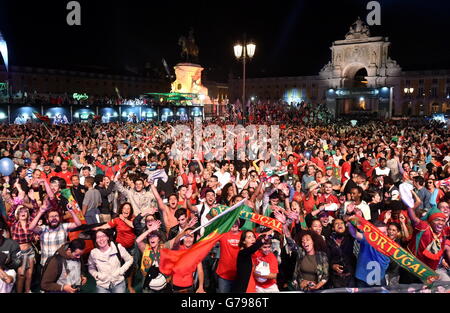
(184, 262)
(41, 117)
(394, 251)
(66, 193)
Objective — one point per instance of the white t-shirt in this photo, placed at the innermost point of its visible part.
(382, 172)
(203, 218)
(7, 288)
(363, 206)
(223, 179)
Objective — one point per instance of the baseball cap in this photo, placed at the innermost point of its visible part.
(322, 214)
(312, 185)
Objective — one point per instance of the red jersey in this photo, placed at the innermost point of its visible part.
(308, 204)
(66, 176)
(229, 249)
(271, 259)
(125, 234)
(329, 199)
(428, 236)
(345, 171)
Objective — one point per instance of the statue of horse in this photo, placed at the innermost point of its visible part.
(188, 47)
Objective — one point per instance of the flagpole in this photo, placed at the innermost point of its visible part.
(220, 215)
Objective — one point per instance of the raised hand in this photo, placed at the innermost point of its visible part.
(280, 216)
(192, 222)
(154, 226)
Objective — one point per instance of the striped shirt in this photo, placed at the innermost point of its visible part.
(51, 239)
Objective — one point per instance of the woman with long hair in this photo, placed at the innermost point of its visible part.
(108, 262)
(242, 179)
(248, 244)
(311, 269)
(228, 192)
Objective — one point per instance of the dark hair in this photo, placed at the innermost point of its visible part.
(89, 180)
(395, 224)
(243, 235)
(47, 213)
(86, 168)
(131, 210)
(388, 180)
(378, 223)
(98, 178)
(194, 235)
(180, 212)
(420, 180)
(318, 242)
(101, 231)
(76, 244)
(360, 190)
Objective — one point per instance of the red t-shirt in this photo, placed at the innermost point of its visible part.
(125, 234)
(427, 238)
(346, 169)
(308, 204)
(229, 249)
(329, 200)
(258, 257)
(66, 176)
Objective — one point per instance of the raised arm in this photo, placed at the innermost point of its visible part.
(412, 211)
(354, 232)
(158, 198)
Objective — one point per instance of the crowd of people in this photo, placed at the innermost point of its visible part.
(138, 199)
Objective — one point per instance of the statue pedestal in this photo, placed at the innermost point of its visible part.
(189, 80)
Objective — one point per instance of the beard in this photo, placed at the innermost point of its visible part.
(53, 225)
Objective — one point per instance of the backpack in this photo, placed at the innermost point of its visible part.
(61, 261)
(119, 256)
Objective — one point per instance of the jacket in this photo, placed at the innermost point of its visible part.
(106, 266)
(55, 270)
(322, 270)
(141, 201)
(11, 250)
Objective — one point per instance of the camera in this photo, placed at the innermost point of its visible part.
(77, 287)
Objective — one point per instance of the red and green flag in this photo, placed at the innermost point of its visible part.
(248, 215)
(66, 193)
(394, 251)
(41, 117)
(184, 262)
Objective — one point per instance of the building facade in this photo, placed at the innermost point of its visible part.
(360, 78)
(56, 82)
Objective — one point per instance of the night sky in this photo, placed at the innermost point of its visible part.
(292, 37)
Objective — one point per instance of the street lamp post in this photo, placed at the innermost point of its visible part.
(247, 49)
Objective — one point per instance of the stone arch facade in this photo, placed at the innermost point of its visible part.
(360, 50)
